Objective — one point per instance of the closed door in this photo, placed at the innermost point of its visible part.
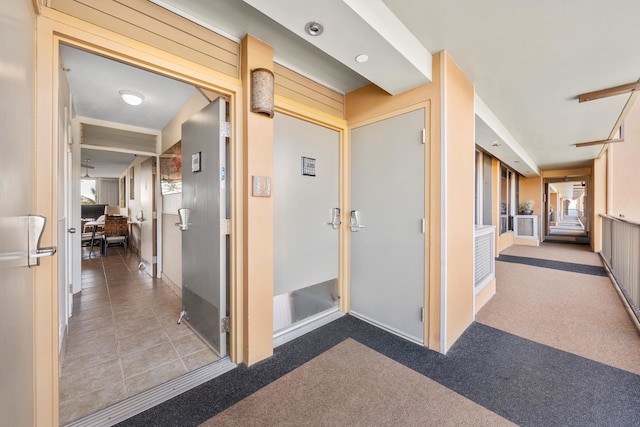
(204, 246)
(306, 221)
(387, 230)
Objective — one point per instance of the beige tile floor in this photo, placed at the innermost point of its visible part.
(123, 336)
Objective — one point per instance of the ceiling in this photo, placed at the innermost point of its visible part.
(95, 83)
(528, 61)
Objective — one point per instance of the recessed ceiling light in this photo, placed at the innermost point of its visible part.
(131, 97)
(314, 28)
(362, 58)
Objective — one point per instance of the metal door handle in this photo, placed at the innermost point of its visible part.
(354, 223)
(335, 219)
(36, 228)
(72, 230)
(183, 215)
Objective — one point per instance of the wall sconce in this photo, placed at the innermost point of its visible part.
(262, 91)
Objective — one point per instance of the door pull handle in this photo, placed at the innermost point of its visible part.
(36, 228)
(354, 222)
(335, 219)
(183, 216)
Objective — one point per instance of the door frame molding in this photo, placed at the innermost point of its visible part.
(54, 28)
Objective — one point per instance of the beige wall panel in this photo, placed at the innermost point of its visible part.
(296, 96)
(148, 23)
(305, 91)
(559, 173)
(485, 295)
(553, 201)
(599, 200)
(531, 189)
(505, 240)
(460, 146)
(625, 172)
(258, 218)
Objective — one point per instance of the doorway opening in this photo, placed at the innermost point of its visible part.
(567, 212)
(121, 335)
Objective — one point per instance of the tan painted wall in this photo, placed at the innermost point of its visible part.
(625, 172)
(532, 189)
(598, 200)
(460, 146)
(554, 202)
(258, 219)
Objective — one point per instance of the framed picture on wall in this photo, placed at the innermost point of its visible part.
(171, 170)
(132, 181)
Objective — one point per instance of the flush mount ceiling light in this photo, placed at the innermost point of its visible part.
(131, 97)
(313, 28)
(362, 58)
(495, 144)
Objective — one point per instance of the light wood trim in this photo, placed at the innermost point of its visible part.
(612, 91)
(150, 24)
(602, 141)
(296, 87)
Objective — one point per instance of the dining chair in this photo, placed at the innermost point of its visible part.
(116, 232)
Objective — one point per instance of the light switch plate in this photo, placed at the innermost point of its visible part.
(261, 186)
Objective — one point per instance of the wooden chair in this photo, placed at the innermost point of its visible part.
(116, 232)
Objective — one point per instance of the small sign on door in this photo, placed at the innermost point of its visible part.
(195, 162)
(308, 166)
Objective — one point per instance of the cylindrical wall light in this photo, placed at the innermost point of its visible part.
(262, 91)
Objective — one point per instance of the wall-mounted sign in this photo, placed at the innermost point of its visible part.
(308, 166)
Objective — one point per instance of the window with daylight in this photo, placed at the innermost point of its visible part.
(88, 192)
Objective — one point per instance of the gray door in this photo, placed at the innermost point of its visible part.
(204, 289)
(17, 188)
(387, 254)
(306, 220)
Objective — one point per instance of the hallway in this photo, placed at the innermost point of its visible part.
(123, 336)
(568, 226)
(553, 347)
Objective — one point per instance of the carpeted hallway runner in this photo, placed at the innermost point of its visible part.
(350, 384)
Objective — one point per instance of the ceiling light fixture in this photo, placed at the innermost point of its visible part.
(362, 58)
(495, 144)
(131, 97)
(313, 28)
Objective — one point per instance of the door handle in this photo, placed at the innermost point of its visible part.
(183, 216)
(72, 230)
(335, 219)
(354, 222)
(36, 228)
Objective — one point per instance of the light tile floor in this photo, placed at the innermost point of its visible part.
(123, 336)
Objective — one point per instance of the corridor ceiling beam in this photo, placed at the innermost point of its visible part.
(612, 91)
(602, 141)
